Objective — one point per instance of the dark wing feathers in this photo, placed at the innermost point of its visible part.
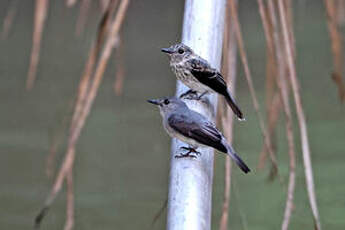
(202, 71)
(195, 126)
(201, 131)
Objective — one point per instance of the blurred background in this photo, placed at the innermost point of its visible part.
(122, 155)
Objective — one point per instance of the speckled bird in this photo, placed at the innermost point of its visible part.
(196, 73)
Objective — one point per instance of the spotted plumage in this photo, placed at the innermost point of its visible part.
(196, 73)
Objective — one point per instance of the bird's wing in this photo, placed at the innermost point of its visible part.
(207, 75)
(197, 128)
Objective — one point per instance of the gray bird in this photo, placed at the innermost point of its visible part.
(194, 129)
(196, 73)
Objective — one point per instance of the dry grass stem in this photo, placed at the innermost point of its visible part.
(115, 27)
(284, 95)
(277, 40)
(300, 116)
(223, 223)
(337, 48)
(243, 56)
(282, 84)
(57, 140)
(104, 4)
(279, 52)
(289, 14)
(86, 101)
(272, 104)
(85, 81)
(120, 69)
(229, 70)
(8, 20)
(273, 112)
(41, 9)
(160, 212)
(82, 17)
(70, 202)
(66, 166)
(103, 60)
(267, 26)
(340, 12)
(271, 72)
(338, 79)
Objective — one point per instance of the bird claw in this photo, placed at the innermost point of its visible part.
(185, 155)
(189, 153)
(201, 95)
(190, 94)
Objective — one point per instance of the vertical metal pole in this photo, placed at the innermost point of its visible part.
(190, 189)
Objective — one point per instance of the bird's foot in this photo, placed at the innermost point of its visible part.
(201, 95)
(184, 155)
(190, 94)
(191, 152)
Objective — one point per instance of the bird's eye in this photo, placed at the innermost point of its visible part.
(180, 51)
(166, 101)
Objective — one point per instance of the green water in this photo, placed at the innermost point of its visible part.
(122, 162)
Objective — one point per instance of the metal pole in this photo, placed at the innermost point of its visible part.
(190, 189)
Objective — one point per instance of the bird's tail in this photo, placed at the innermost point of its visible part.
(237, 159)
(231, 102)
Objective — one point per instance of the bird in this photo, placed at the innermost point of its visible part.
(196, 73)
(193, 129)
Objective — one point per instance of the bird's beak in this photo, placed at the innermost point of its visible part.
(167, 50)
(154, 101)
